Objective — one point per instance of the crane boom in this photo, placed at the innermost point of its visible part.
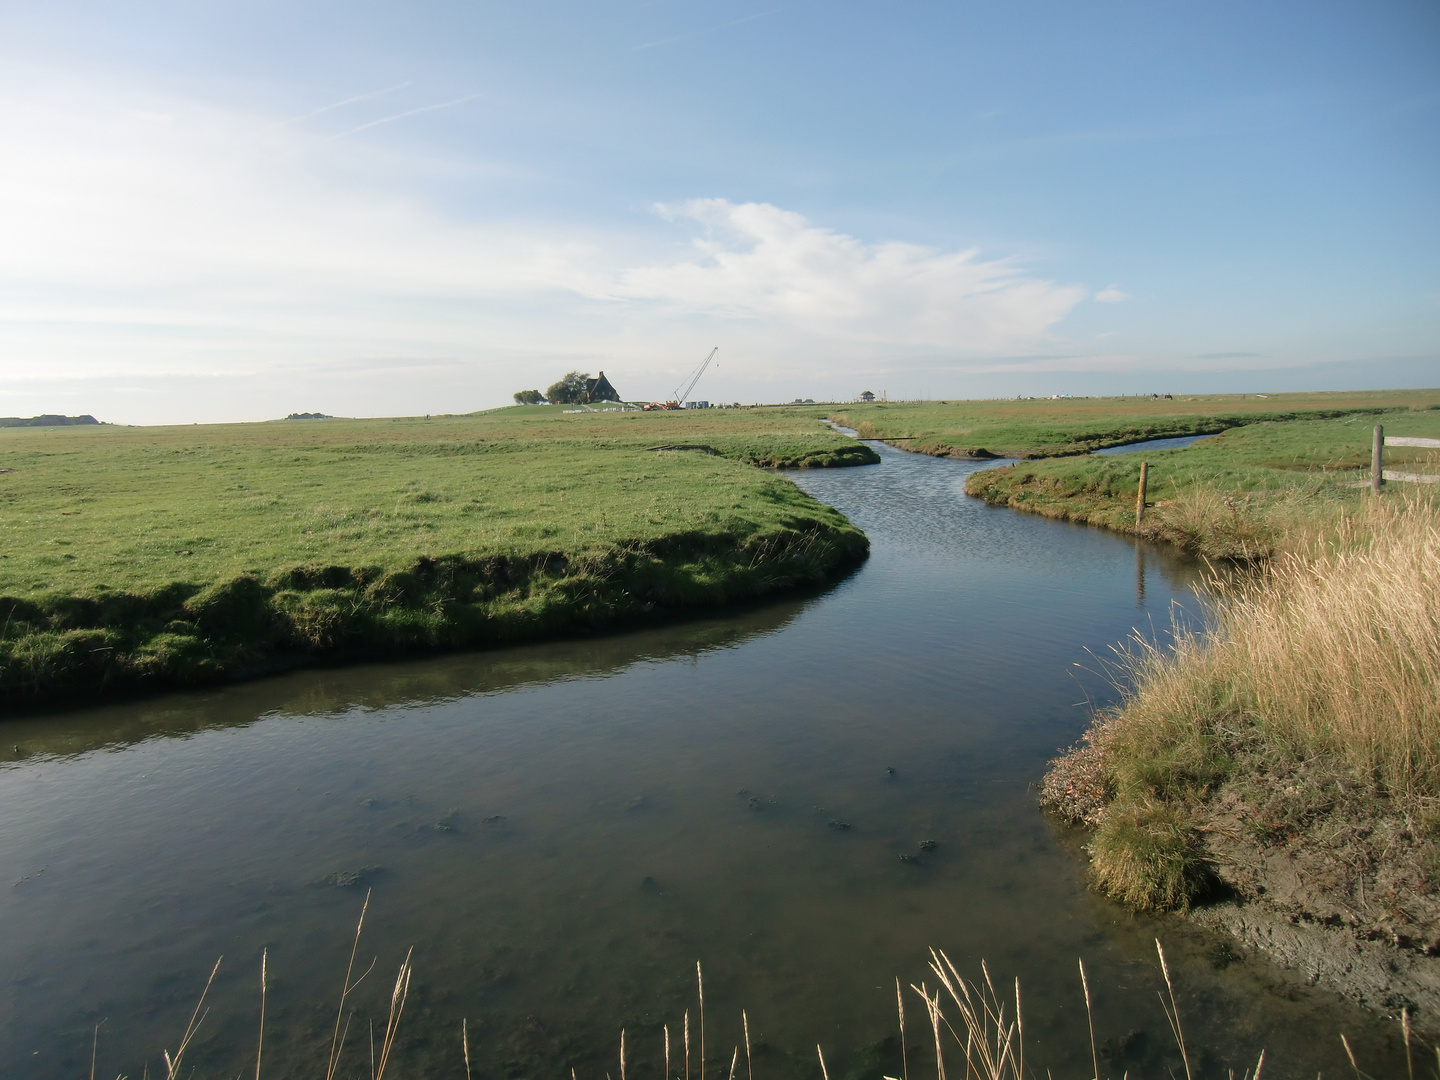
(695, 378)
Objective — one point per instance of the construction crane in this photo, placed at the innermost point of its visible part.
(695, 378)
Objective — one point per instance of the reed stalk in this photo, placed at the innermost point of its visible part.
(260, 1042)
(197, 1018)
(1172, 1012)
(397, 1008)
(1090, 1020)
(337, 1044)
(904, 1054)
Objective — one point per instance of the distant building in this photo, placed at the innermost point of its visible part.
(697, 405)
(599, 389)
(867, 396)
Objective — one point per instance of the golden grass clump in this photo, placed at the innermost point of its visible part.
(1328, 656)
(1336, 650)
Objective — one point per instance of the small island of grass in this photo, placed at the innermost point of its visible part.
(152, 557)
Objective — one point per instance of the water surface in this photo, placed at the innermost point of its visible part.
(561, 831)
(1177, 442)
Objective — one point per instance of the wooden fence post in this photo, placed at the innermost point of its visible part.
(1140, 494)
(1377, 460)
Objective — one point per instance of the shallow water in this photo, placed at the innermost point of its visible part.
(561, 831)
(1177, 442)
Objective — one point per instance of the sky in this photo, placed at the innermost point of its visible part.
(236, 210)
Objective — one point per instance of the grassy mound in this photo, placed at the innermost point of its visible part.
(1290, 752)
(147, 557)
(1236, 496)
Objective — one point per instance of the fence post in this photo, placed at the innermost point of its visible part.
(1377, 460)
(1140, 494)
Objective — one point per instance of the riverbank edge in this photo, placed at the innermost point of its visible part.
(71, 650)
(1269, 898)
(1078, 446)
(1386, 974)
(1216, 536)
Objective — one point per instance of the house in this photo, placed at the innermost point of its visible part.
(867, 396)
(599, 389)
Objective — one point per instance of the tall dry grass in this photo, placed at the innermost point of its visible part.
(1213, 523)
(1333, 649)
(1329, 654)
(970, 1020)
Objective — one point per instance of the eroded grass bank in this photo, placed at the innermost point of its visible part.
(152, 557)
(1247, 494)
(1290, 754)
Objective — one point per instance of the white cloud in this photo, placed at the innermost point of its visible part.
(1111, 295)
(147, 236)
(757, 261)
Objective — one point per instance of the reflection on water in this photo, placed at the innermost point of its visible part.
(561, 831)
(1178, 442)
(314, 693)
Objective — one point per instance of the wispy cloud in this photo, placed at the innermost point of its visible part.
(402, 115)
(1111, 295)
(708, 30)
(344, 102)
(218, 245)
(757, 261)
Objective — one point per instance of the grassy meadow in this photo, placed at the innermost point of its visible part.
(184, 554)
(1239, 494)
(1060, 427)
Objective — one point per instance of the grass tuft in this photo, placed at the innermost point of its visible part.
(1316, 685)
(1148, 856)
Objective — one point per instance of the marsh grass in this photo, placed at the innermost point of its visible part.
(1066, 427)
(138, 557)
(1245, 495)
(1329, 655)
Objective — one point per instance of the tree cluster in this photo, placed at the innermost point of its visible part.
(569, 390)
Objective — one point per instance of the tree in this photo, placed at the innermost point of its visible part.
(570, 390)
(529, 397)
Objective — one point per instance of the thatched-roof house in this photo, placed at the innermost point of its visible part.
(599, 389)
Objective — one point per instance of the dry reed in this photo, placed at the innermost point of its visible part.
(1333, 650)
(984, 1028)
(1330, 655)
(172, 1064)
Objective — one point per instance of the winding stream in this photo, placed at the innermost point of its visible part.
(560, 831)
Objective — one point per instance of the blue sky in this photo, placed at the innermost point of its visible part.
(231, 211)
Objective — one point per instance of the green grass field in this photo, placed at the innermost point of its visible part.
(180, 554)
(1060, 427)
(1235, 495)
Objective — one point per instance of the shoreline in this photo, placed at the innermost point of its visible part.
(84, 650)
(144, 559)
(1273, 903)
